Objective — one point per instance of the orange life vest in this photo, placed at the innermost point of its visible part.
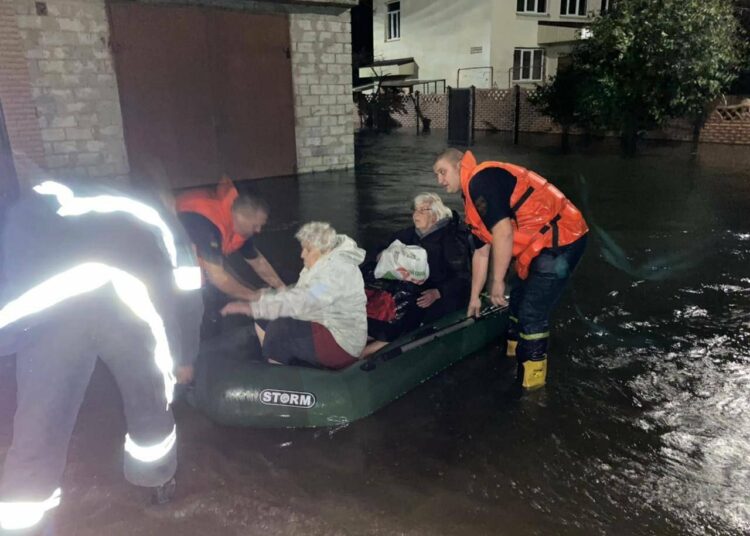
(542, 216)
(216, 206)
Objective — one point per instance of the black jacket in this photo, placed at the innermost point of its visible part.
(37, 244)
(449, 256)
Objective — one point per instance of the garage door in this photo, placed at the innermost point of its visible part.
(8, 181)
(205, 91)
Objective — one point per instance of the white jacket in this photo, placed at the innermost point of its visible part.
(331, 293)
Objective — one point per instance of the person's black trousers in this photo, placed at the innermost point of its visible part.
(54, 365)
(533, 300)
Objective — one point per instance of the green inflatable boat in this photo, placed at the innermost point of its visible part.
(233, 389)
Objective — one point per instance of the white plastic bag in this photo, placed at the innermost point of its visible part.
(404, 263)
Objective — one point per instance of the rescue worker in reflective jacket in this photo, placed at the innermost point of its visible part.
(515, 214)
(92, 273)
(221, 224)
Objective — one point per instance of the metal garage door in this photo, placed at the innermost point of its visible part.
(206, 91)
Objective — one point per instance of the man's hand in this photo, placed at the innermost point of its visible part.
(252, 295)
(428, 297)
(237, 308)
(497, 293)
(184, 374)
(475, 307)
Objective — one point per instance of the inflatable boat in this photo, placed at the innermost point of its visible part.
(235, 388)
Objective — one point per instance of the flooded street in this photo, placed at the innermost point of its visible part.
(643, 427)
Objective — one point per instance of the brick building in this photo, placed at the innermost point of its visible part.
(96, 88)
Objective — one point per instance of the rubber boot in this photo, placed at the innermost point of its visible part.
(534, 373)
(164, 493)
(510, 347)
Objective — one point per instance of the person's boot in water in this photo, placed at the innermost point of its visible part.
(164, 493)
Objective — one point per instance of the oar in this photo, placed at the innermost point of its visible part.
(421, 340)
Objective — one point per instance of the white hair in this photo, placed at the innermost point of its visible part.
(317, 235)
(439, 210)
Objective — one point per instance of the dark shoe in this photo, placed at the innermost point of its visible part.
(164, 493)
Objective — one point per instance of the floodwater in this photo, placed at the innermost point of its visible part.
(643, 428)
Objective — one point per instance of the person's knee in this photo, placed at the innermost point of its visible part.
(273, 346)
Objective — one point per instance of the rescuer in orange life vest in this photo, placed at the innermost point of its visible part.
(221, 223)
(90, 271)
(515, 214)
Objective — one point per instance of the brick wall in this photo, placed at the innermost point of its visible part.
(15, 95)
(722, 131)
(718, 129)
(494, 110)
(74, 88)
(322, 73)
(433, 106)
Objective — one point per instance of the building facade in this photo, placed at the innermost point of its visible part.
(96, 88)
(485, 43)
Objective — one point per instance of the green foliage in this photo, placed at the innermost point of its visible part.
(741, 86)
(561, 97)
(649, 61)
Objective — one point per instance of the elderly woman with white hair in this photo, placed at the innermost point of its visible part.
(443, 235)
(322, 319)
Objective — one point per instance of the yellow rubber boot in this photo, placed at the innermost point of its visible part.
(534, 374)
(510, 349)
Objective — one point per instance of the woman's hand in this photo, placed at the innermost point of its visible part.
(428, 297)
(237, 308)
(251, 295)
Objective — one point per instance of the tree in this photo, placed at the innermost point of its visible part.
(562, 100)
(647, 62)
(741, 86)
(377, 110)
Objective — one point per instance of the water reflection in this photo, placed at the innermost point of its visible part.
(644, 427)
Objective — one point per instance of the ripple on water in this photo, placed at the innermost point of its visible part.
(698, 401)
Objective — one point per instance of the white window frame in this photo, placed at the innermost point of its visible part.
(528, 52)
(535, 7)
(566, 5)
(392, 22)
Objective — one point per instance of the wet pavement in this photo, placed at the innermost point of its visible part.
(643, 428)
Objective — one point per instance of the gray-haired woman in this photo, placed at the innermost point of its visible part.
(445, 238)
(321, 319)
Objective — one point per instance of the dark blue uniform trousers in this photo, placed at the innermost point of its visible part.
(532, 300)
(54, 365)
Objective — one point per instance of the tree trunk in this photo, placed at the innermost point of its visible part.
(565, 141)
(630, 137)
(698, 123)
(587, 137)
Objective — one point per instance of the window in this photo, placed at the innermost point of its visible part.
(528, 64)
(531, 6)
(606, 6)
(394, 21)
(573, 7)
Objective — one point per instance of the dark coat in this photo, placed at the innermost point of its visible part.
(449, 256)
(37, 244)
